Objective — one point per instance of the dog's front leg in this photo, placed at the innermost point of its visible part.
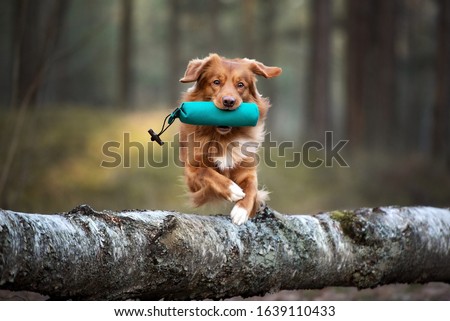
(247, 206)
(204, 183)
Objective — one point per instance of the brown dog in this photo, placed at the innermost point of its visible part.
(220, 162)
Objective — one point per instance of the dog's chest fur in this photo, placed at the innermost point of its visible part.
(238, 150)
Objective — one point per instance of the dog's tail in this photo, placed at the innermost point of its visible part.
(262, 196)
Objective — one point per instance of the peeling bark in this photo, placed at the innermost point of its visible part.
(85, 254)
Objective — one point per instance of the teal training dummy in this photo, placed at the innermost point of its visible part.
(206, 113)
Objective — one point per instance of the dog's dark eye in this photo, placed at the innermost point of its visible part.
(240, 84)
(216, 82)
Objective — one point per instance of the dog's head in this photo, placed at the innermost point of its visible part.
(226, 82)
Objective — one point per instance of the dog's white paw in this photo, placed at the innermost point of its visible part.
(239, 215)
(236, 193)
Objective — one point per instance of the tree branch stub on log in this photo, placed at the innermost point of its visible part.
(86, 254)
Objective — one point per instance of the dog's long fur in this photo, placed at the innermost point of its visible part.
(220, 163)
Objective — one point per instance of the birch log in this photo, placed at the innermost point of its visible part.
(90, 255)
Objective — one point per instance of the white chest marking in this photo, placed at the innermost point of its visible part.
(235, 152)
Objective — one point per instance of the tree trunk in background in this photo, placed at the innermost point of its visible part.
(215, 35)
(173, 55)
(32, 61)
(27, 50)
(357, 44)
(417, 74)
(371, 90)
(441, 120)
(248, 24)
(268, 49)
(319, 118)
(125, 54)
(152, 255)
(19, 21)
(383, 125)
(410, 105)
(37, 31)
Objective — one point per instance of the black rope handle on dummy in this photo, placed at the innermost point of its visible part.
(171, 117)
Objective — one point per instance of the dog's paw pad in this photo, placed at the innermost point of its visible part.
(236, 193)
(239, 215)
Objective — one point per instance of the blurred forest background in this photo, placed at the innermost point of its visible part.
(76, 74)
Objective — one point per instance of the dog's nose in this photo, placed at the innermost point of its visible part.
(228, 101)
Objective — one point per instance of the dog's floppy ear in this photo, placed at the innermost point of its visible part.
(196, 67)
(193, 70)
(260, 69)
